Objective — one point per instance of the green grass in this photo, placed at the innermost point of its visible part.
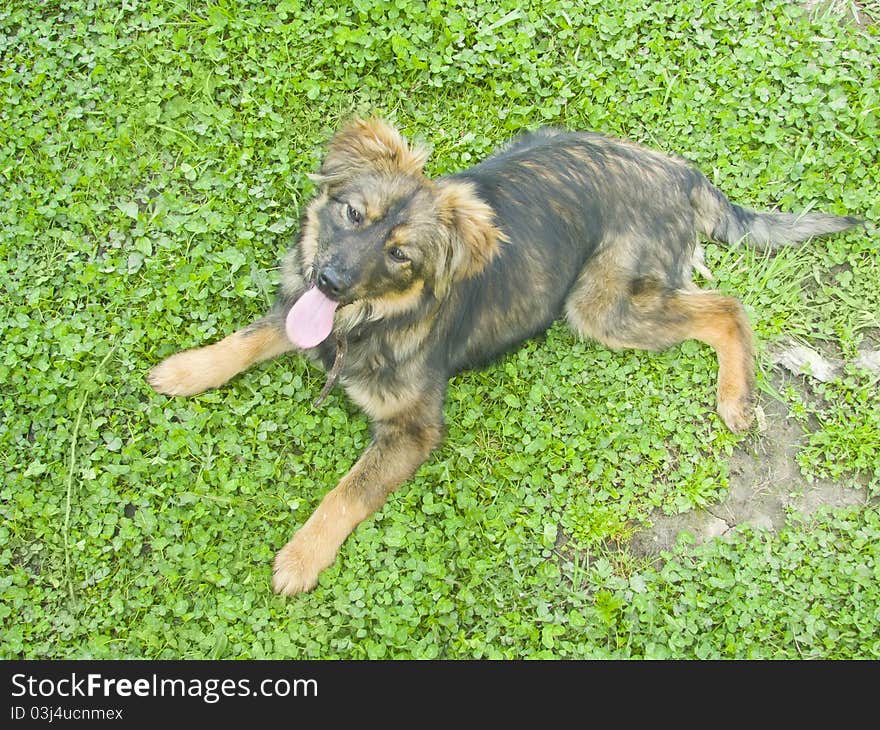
(153, 162)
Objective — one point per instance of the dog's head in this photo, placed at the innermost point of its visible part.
(380, 231)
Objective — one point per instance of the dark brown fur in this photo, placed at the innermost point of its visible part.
(599, 230)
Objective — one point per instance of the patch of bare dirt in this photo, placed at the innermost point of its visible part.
(765, 484)
(849, 12)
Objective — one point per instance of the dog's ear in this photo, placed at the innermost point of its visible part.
(473, 237)
(369, 145)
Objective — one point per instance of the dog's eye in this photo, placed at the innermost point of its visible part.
(397, 255)
(355, 217)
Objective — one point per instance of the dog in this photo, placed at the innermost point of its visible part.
(397, 282)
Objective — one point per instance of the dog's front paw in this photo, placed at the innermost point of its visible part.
(186, 373)
(296, 569)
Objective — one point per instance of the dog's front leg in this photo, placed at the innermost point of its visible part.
(400, 445)
(196, 370)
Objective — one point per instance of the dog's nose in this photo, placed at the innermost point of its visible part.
(331, 282)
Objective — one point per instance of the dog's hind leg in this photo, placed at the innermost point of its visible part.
(193, 371)
(645, 313)
(400, 445)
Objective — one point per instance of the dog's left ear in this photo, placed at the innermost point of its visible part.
(474, 239)
(370, 145)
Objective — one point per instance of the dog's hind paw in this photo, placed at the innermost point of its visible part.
(738, 415)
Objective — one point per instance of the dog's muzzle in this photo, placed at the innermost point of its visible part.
(333, 283)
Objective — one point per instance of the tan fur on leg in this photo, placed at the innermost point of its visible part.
(397, 451)
(201, 368)
(645, 314)
(721, 322)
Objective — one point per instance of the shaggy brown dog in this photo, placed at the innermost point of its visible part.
(397, 282)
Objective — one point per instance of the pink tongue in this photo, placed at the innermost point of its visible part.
(310, 320)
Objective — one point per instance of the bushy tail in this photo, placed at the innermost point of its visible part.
(727, 222)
